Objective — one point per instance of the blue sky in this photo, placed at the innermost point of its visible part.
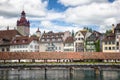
(56, 6)
(61, 15)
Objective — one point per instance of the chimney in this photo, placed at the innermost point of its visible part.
(7, 27)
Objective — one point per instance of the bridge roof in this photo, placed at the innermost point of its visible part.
(58, 55)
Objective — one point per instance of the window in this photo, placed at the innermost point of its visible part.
(117, 48)
(31, 46)
(53, 39)
(105, 42)
(105, 48)
(75, 38)
(43, 40)
(113, 42)
(56, 48)
(113, 48)
(8, 49)
(3, 49)
(17, 46)
(59, 48)
(109, 48)
(117, 43)
(109, 42)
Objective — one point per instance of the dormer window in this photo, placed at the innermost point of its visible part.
(43, 40)
(23, 41)
(14, 41)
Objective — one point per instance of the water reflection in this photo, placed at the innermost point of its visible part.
(58, 74)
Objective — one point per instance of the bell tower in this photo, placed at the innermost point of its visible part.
(38, 33)
(23, 25)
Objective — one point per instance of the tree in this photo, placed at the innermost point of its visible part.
(108, 31)
(72, 33)
(97, 45)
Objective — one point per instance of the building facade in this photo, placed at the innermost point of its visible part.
(53, 42)
(109, 43)
(69, 44)
(93, 42)
(6, 37)
(80, 39)
(24, 44)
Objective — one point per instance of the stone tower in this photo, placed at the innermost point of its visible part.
(23, 25)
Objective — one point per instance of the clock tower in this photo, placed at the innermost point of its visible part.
(23, 25)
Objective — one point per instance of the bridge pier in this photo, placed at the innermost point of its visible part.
(71, 69)
(96, 70)
(45, 73)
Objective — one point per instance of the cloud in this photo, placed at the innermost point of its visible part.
(14, 7)
(50, 26)
(4, 22)
(78, 12)
(10, 11)
(95, 13)
(79, 2)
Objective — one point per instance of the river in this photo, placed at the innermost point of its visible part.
(58, 74)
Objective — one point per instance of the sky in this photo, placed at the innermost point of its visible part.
(61, 15)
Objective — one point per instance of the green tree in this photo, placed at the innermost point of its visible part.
(108, 32)
(73, 33)
(97, 45)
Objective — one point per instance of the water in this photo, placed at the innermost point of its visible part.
(59, 74)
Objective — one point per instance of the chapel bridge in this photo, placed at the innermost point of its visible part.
(59, 56)
(61, 59)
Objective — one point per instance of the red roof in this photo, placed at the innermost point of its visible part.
(109, 37)
(59, 55)
(8, 34)
(23, 40)
(23, 21)
(69, 39)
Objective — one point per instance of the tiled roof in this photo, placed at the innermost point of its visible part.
(59, 55)
(83, 32)
(94, 36)
(23, 40)
(110, 37)
(8, 34)
(117, 26)
(23, 21)
(51, 35)
(69, 39)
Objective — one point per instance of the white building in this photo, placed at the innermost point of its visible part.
(80, 38)
(69, 44)
(53, 42)
(24, 44)
(5, 38)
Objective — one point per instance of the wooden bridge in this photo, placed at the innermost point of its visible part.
(59, 56)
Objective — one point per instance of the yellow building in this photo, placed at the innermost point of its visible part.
(108, 44)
